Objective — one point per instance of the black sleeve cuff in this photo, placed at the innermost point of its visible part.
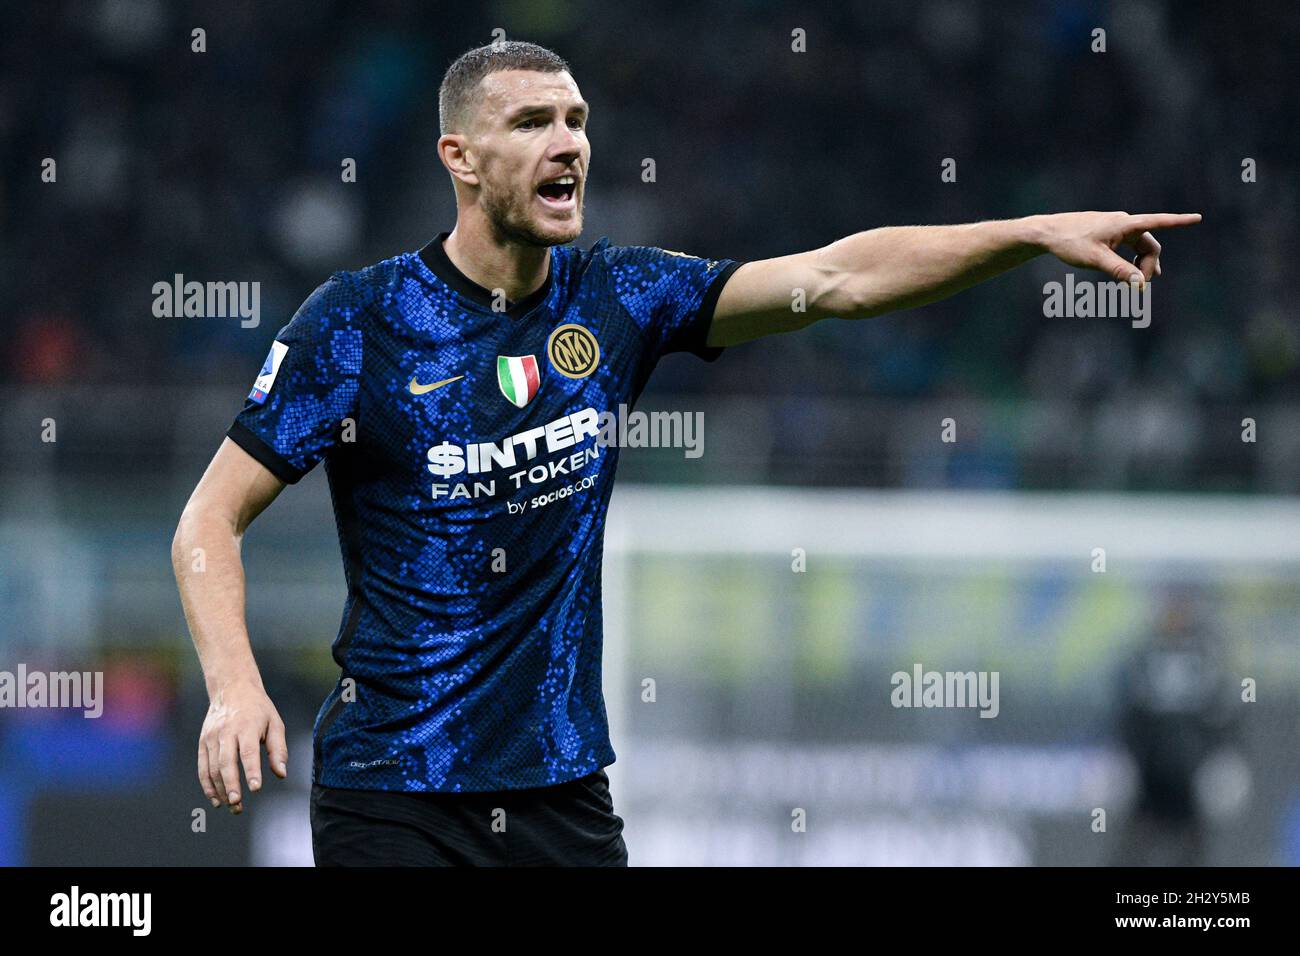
(703, 317)
(268, 457)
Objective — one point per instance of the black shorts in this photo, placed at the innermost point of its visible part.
(569, 824)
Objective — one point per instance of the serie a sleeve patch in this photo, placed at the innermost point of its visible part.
(266, 377)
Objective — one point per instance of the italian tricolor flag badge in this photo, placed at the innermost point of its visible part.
(517, 376)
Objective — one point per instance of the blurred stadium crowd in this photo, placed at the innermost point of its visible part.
(225, 165)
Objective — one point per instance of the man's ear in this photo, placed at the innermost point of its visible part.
(453, 150)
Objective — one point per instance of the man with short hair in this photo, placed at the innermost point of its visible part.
(455, 395)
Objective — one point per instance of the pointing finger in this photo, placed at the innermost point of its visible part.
(1162, 220)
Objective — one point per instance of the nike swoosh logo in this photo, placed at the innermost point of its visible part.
(418, 389)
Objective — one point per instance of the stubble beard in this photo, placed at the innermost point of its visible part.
(510, 218)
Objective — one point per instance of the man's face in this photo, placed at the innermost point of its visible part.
(529, 132)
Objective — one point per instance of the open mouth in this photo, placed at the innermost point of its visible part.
(559, 191)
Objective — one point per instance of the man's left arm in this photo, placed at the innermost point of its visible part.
(900, 267)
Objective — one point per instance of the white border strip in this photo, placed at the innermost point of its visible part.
(959, 525)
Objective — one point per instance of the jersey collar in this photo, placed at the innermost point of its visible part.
(436, 260)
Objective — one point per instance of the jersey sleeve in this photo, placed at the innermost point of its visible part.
(307, 386)
(670, 295)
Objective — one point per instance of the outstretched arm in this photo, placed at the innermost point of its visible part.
(899, 267)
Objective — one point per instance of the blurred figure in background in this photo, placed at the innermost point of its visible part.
(1175, 712)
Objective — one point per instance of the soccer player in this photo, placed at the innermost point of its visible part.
(454, 394)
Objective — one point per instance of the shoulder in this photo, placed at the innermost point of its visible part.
(573, 263)
(347, 297)
(370, 285)
(612, 256)
(653, 261)
(637, 263)
(605, 254)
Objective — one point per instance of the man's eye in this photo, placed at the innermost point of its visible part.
(576, 123)
(527, 124)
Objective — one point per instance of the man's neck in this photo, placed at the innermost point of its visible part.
(496, 262)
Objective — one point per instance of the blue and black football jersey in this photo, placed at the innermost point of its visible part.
(470, 487)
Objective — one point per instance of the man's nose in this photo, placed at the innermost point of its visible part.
(565, 146)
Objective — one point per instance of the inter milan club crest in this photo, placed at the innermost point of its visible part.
(517, 376)
(573, 351)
